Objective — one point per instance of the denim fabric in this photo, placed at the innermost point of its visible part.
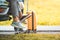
(14, 7)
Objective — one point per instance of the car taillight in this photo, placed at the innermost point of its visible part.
(1, 10)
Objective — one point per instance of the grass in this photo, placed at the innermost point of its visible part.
(47, 12)
(31, 37)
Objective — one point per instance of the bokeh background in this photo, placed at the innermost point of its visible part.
(47, 11)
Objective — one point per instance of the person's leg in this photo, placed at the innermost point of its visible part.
(21, 4)
(20, 15)
(15, 13)
(23, 8)
(14, 10)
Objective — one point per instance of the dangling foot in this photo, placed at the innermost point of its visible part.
(17, 25)
(25, 17)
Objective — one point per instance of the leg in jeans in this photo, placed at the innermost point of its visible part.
(15, 13)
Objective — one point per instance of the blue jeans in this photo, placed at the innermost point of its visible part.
(14, 8)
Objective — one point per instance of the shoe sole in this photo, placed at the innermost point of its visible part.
(25, 17)
(17, 26)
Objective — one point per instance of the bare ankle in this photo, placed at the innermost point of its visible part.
(16, 19)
